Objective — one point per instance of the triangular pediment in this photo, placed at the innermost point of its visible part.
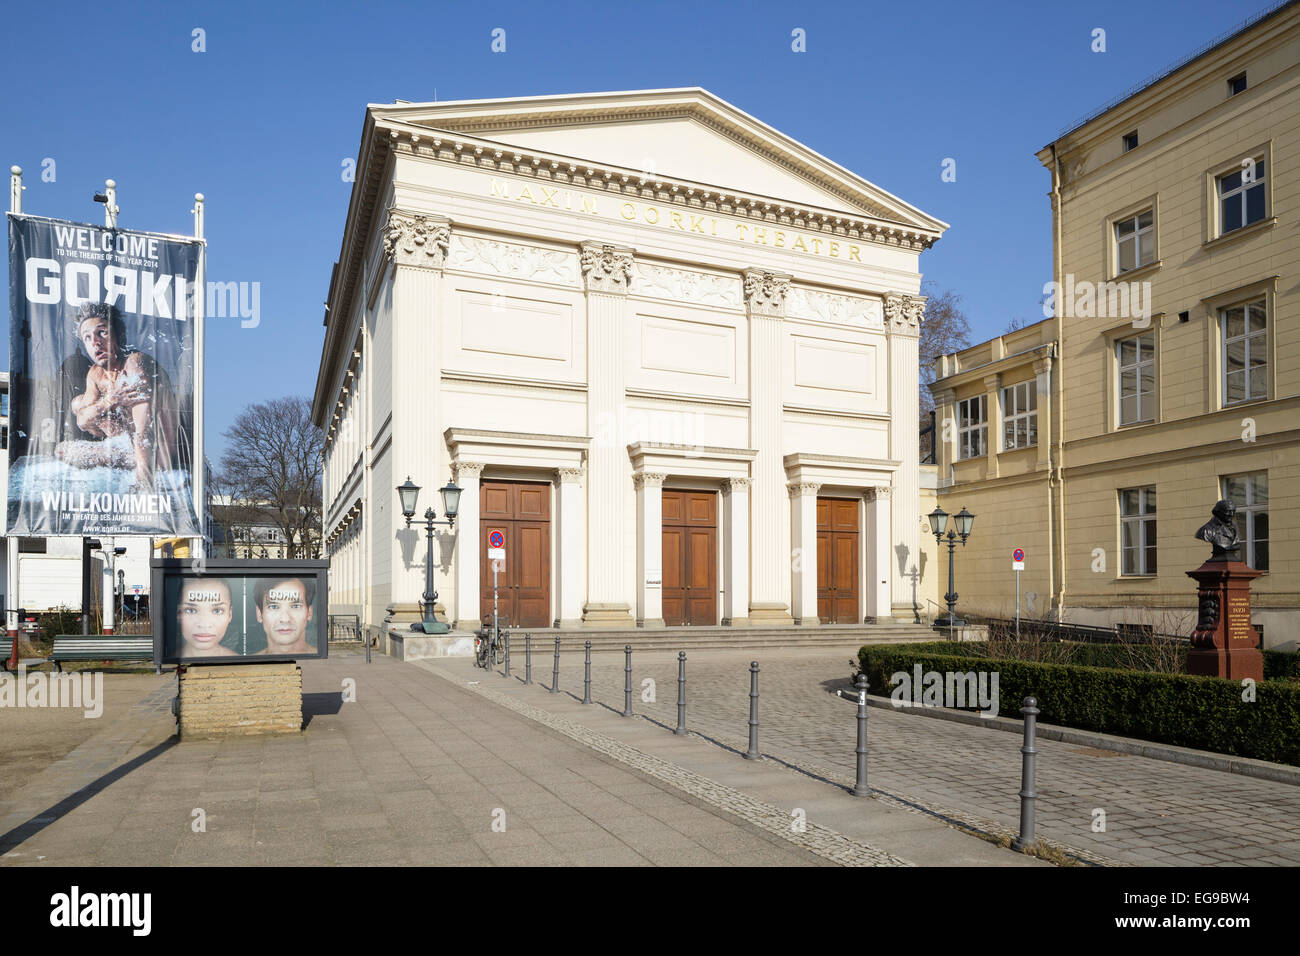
(688, 135)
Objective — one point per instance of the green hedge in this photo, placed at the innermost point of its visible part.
(1281, 665)
(1206, 713)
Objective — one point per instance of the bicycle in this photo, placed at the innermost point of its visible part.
(489, 646)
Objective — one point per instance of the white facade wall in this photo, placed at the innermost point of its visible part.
(613, 346)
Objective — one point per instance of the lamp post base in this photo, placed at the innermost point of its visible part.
(431, 627)
(949, 620)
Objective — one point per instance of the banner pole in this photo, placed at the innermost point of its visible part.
(200, 304)
(11, 542)
(110, 207)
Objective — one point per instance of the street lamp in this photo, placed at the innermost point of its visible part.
(408, 492)
(938, 522)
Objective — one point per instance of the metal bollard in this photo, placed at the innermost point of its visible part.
(586, 677)
(528, 658)
(627, 682)
(1027, 794)
(555, 674)
(860, 782)
(507, 673)
(681, 693)
(752, 753)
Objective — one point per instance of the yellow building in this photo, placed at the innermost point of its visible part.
(1168, 373)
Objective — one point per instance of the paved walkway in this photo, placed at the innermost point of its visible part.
(417, 770)
(1156, 812)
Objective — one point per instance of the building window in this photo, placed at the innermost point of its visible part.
(1245, 352)
(1130, 141)
(1020, 415)
(972, 427)
(1237, 84)
(1135, 241)
(1137, 389)
(1137, 521)
(1241, 197)
(1250, 494)
(4, 404)
(4, 436)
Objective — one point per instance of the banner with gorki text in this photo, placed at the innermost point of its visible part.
(101, 358)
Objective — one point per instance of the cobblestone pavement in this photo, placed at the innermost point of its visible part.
(416, 770)
(1156, 812)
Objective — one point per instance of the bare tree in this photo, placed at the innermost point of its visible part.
(273, 464)
(944, 330)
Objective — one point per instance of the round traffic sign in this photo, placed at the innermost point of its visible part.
(1017, 555)
(496, 539)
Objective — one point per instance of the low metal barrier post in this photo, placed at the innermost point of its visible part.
(681, 693)
(752, 753)
(555, 673)
(528, 658)
(859, 694)
(627, 682)
(1028, 768)
(586, 676)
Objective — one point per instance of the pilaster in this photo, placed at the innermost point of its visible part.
(803, 533)
(468, 545)
(416, 246)
(769, 601)
(903, 316)
(650, 546)
(993, 414)
(572, 519)
(880, 566)
(735, 552)
(607, 271)
(1043, 385)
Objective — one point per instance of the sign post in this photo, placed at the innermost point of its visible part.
(497, 555)
(1018, 565)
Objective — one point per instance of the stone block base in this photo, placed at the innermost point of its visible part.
(240, 700)
(1219, 662)
(770, 615)
(408, 645)
(608, 615)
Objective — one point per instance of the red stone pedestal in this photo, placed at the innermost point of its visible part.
(1224, 643)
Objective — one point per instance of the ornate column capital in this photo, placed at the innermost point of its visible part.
(903, 313)
(415, 239)
(879, 493)
(568, 476)
(606, 268)
(765, 292)
(467, 470)
(648, 479)
(737, 484)
(1042, 366)
(801, 489)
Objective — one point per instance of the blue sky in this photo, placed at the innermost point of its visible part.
(262, 121)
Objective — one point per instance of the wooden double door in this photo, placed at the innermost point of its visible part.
(518, 513)
(837, 561)
(690, 558)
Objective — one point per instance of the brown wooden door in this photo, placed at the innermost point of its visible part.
(690, 558)
(837, 561)
(521, 512)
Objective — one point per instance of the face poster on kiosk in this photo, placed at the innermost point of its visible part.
(229, 612)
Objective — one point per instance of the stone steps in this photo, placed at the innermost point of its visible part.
(720, 638)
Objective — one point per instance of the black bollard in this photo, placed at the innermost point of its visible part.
(555, 674)
(627, 682)
(586, 677)
(860, 784)
(507, 673)
(681, 693)
(1027, 794)
(752, 753)
(528, 658)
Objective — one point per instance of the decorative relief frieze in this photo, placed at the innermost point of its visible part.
(765, 292)
(413, 239)
(512, 260)
(903, 313)
(837, 309)
(606, 268)
(681, 285)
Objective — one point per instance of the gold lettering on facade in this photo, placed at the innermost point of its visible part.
(798, 245)
(676, 218)
(697, 223)
(648, 211)
(853, 253)
(780, 239)
(628, 211)
(835, 249)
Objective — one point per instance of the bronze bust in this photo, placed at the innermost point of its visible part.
(1221, 531)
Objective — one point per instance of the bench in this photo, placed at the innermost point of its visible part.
(102, 647)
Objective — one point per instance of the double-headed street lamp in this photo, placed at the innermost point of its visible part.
(408, 493)
(938, 522)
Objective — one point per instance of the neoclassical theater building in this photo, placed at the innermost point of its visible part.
(668, 353)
